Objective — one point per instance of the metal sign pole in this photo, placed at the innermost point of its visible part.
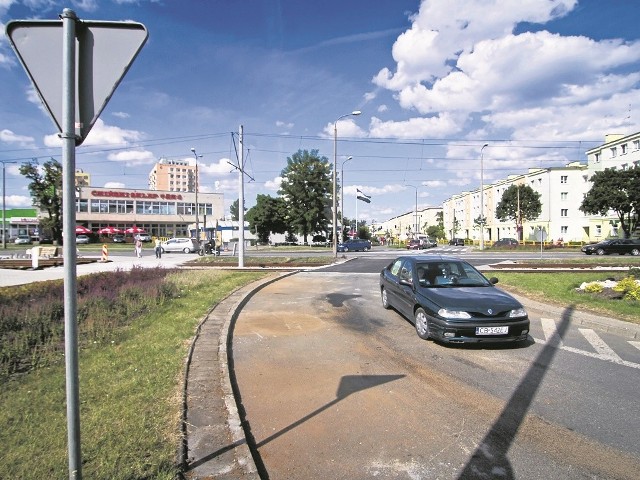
(68, 136)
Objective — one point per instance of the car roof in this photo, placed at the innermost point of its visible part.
(430, 258)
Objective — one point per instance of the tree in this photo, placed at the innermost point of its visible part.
(519, 203)
(46, 193)
(306, 189)
(234, 210)
(617, 190)
(269, 215)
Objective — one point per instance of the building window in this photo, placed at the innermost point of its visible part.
(564, 179)
(564, 229)
(614, 152)
(623, 149)
(564, 195)
(597, 157)
(636, 144)
(598, 230)
(564, 212)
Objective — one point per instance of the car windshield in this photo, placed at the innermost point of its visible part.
(447, 274)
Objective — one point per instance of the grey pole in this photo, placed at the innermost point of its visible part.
(342, 197)
(4, 227)
(482, 196)
(241, 199)
(68, 136)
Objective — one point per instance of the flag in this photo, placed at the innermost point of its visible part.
(362, 196)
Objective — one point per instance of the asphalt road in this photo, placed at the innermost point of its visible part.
(334, 386)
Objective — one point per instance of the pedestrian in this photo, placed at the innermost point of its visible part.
(138, 248)
(158, 249)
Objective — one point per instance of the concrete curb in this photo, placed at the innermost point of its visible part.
(214, 443)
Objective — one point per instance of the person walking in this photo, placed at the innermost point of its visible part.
(158, 248)
(138, 248)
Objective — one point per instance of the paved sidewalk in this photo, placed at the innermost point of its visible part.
(9, 276)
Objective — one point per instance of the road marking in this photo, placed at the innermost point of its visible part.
(598, 344)
(550, 330)
(603, 351)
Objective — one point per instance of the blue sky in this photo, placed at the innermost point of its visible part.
(539, 81)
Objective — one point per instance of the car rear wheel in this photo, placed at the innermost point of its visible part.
(385, 299)
(635, 252)
(186, 250)
(600, 251)
(422, 324)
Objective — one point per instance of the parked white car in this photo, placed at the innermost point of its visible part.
(186, 245)
(82, 239)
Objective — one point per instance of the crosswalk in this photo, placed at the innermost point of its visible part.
(600, 349)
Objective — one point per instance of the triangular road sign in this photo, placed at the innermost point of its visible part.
(104, 53)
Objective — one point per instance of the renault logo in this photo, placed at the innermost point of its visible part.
(490, 311)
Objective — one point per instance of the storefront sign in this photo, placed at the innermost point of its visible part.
(142, 195)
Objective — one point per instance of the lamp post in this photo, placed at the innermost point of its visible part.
(416, 210)
(335, 168)
(482, 196)
(4, 231)
(193, 150)
(342, 195)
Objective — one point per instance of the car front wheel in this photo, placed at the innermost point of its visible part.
(186, 250)
(422, 324)
(600, 251)
(385, 299)
(635, 252)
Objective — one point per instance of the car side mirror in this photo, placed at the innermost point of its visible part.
(493, 280)
(404, 281)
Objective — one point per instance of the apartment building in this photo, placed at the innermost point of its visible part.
(173, 176)
(561, 192)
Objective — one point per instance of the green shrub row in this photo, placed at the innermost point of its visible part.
(32, 316)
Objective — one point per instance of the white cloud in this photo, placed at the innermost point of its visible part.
(114, 185)
(457, 71)
(273, 184)
(18, 201)
(7, 136)
(133, 157)
(346, 127)
(222, 167)
(101, 134)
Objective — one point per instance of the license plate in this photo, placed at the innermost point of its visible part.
(492, 330)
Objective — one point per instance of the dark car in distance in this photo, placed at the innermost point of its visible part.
(450, 301)
(458, 242)
(119, 238)
(620, 246)
(354, 245)
(415, 245)
(506, 242)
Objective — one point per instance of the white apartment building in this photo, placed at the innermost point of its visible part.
(406, 226)
(561, 192)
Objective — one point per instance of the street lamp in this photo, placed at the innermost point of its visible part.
(193, 150)
(416, 211)
(482, 196)
(342, 195)
(335, 168)
(4, 231)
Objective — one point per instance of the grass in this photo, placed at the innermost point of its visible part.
(560, 288)
(130, 394)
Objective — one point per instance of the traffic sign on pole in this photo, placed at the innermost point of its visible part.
(105, 51)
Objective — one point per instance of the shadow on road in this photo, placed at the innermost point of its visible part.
(490, 461)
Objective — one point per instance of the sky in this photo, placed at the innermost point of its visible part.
(539, 81)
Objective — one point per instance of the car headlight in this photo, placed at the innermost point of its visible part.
(517, 312)
(445, 313)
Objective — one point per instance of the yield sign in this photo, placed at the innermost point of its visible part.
(105, 51)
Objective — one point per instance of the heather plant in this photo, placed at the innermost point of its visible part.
(32, 316)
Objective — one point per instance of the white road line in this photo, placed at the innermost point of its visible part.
(598, 344)
(551, 332)
(635, 344)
